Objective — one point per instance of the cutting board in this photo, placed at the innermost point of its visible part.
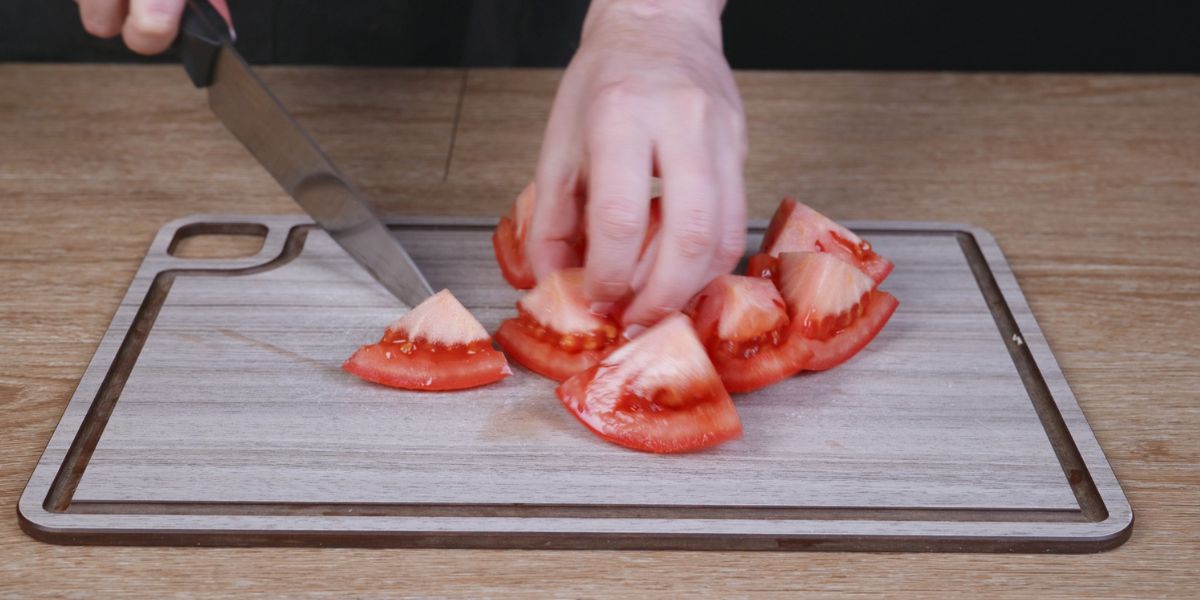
(215, 412)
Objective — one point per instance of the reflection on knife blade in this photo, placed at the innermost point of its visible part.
(285, 150)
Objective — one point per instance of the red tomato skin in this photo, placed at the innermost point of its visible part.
(717, 419)
(824, 237)
(763, 265)
(510, 255)
(877, 267)
(842, 346)
(446, 369)
(769, 366)
(542, 357)
(763, 356)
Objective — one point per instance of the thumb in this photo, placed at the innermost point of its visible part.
(152, 25)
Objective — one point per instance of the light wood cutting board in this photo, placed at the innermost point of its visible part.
(215, 412)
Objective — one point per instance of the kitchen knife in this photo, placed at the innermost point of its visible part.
(249, 110)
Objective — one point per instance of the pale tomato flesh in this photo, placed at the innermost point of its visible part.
(658, 393)
(835, 308)
(837, 349)
(743, 324)
(554, 333)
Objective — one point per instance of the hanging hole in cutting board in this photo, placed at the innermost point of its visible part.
(218, 240)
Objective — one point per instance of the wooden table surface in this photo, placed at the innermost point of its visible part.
(1091, 184)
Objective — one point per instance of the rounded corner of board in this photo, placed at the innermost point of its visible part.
(1104, 535)
(1118, 528)
(31, 518)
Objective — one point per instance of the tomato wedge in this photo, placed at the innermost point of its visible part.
(743, 324)
(508, 241)
(657, 393)
(835, 309)
(797, 228)
(833, 351)
(555, 334)
(436, 346)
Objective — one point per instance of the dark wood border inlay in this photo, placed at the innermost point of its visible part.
(60, 494)
(71, 472)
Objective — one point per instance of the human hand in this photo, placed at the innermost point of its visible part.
(648, 93)
(147, 26)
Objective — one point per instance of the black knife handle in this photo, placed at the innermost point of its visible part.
(202, 32)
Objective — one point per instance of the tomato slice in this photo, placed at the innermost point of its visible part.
(743, 324)
(555, 334)
(797, 228)
(657, 393)
(835, 309)
(508, 241)
(438, 345)
(510, 255)
(835, 350)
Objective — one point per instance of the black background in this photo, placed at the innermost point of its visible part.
(1016, 35)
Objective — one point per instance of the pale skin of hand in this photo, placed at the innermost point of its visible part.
(147, 26)
(648, 93)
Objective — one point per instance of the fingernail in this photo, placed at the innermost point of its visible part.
(632, 331)
(601, 308)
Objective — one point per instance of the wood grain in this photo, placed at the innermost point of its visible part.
(1088, 182)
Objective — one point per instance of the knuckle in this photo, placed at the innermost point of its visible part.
(612, 100)
(732, 247)
(692, 103)
(693, 246)
(694, 236)
(613, 221)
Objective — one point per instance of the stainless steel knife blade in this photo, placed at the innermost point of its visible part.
(252, 113)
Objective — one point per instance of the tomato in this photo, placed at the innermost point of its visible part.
(835, 350)
(436, 346)
(743, 324)
(835, 309)
(657, 393)
(508, 241)
(762, 265)
(798, 228)
(555, 334)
